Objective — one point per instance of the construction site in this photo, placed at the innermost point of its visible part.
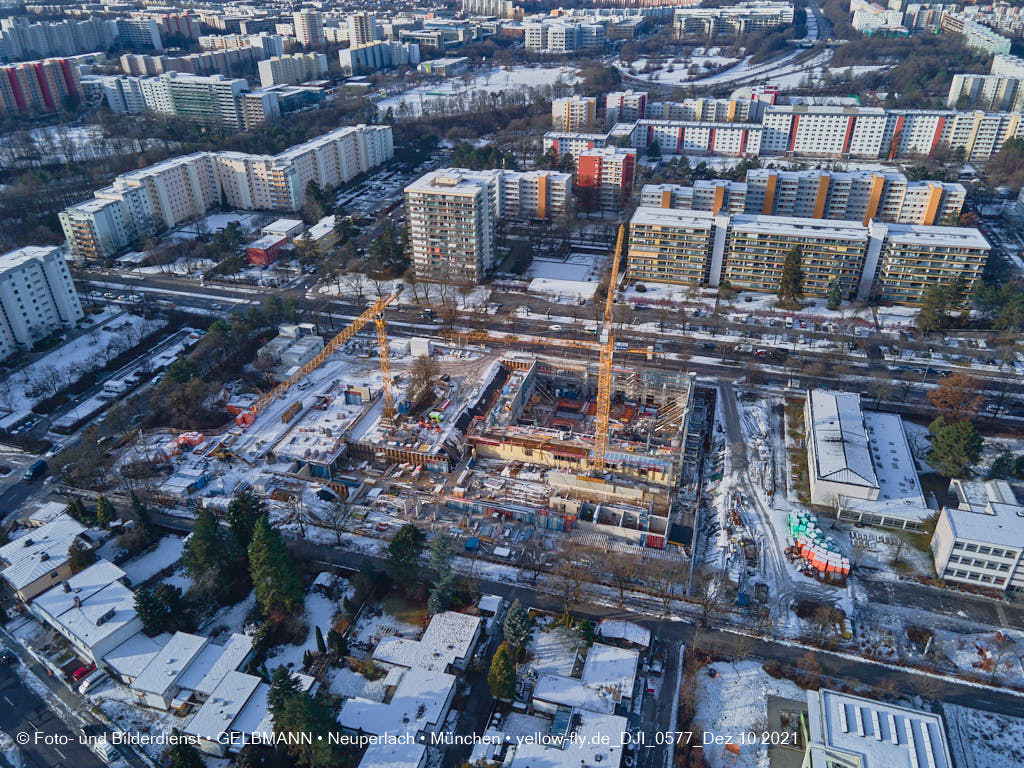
(500, 444)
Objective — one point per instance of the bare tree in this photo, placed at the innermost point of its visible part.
(623, 570)
(571, 574)
(708, 593)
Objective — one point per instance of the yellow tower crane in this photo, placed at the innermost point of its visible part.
(604, 370)
(605, 346)
(375, 313)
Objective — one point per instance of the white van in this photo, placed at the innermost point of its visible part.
(93, 680)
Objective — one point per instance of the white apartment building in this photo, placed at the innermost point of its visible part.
(560, 142)
(871, 18)
(981, 540)
(876, 133)
(625, 106)
(675, 137)
(309, 28)
(37, 297)
(708, 110)
(577, 114)
(853, 196)
(183, 188)
(562, 36)
(293, 68)
(1007, 65)
(452, 216)
(375, 56)
(730, 20)
(987, 92)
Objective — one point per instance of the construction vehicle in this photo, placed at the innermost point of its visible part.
(373, 313)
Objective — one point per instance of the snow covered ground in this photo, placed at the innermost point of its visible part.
(980, 739)
(733, 699)
(677, 69)
(167, 552)
(110, 333)
(553, 648)
(448, 93)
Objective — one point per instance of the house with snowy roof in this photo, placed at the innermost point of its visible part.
(607, 683)
(448, 643)
(38, 560)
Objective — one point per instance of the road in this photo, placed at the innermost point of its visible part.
(23, 711)
(677, 630)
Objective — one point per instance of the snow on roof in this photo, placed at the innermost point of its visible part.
(581, 289)
(597, 742)
(631, 632)
(224, 706)
(572, 692)
(877, 734)
(611, 669)
(489, 603)
(892, 460)
(104, 604)
(840, 439)
(672, 217)
(449, 637)
(40, 551)
(989, 512)
(132, 656)
(167, 666)
(213, 662)
(47, 513)
(420, 700)
(401, 755)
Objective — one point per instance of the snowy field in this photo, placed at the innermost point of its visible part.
(676, 70)
(111, 333)
(553, 649)
(167, 552)
(734, 702)
(67, 144)
(577, 266)
(982, 739)
(495, 80)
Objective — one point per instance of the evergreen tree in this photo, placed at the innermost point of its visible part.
(321, 646)
(835, 296)
(956, 447)
(78, 511)
(518, 628)
(791, 283)
(151, 612)
(104, 512)
(441, 556)
(294, 711)
(80, 557)
(141, 514)
(182, 754)
(307, 659)
(273, 574)
(932, 315)
(502, 676)
(203, 551)
(403, 554)
(243, 512)
(337, 643)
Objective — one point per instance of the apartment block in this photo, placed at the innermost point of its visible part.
(293, 68)
(362, 28)
(898, 262)
(758, 246)
(37, 297)
(876, 133)
(604, 177)
(58, 38)
(708, 110)
(1007, 66)
(140, 34)
(309, 28)
(675, 137)
(980, 541)
(853, 196)
(452, 216)
(915, 258)
(179, 189)
(38, 87)
(560, 36)
(625, 106)
(577, 114)
(976, 36)
(730, 20)
(671, 246)
(561, 142)
(375, 56)
(996, 93)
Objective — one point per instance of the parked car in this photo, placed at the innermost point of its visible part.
(7, 658)
(82, 671)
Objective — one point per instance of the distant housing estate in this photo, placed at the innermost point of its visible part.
(183, 188)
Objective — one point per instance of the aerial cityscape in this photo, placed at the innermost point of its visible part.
(512, 384)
